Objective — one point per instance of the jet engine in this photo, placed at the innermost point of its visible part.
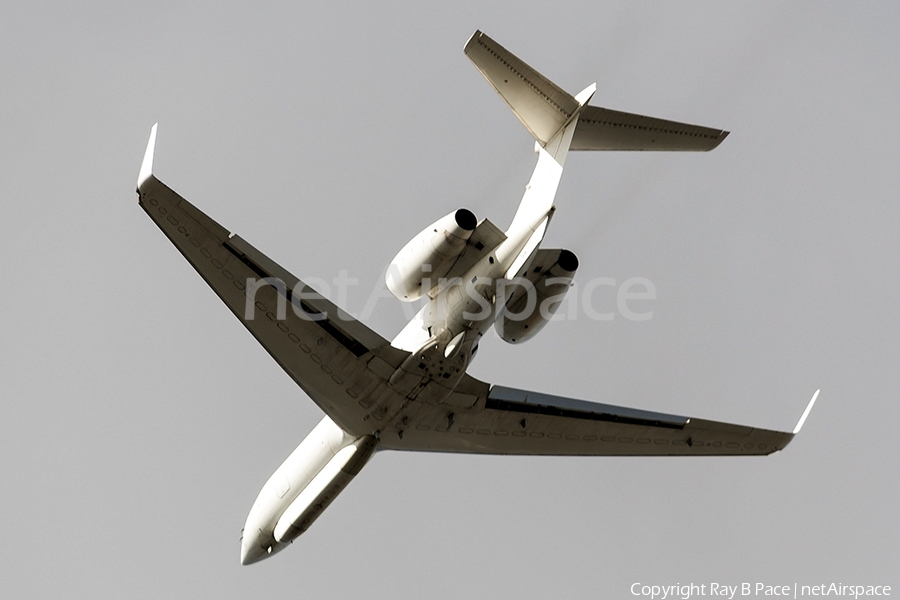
(419, 266)
(534, 296)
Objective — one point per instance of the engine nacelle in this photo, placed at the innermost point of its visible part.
(427, 258)
(535, 295)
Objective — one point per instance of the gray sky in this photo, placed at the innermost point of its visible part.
(140, 419)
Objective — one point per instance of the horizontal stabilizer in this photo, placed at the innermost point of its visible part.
(541, 106)
(544, 109)
(605, 129)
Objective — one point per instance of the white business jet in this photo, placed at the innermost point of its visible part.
(413, 393)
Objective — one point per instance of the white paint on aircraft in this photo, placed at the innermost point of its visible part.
(414, 393)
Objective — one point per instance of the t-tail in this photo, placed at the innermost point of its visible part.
(560, 122)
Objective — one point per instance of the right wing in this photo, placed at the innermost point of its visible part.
(503, 420)
(339, 362)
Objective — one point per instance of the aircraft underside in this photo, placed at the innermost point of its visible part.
(413, 393)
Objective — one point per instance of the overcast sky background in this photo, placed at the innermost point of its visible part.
(140, 419)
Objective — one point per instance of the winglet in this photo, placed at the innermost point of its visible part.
(806, 412)
(585, 95)
(146, 171)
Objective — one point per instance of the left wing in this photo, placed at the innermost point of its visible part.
(511, 421)
(339, 362)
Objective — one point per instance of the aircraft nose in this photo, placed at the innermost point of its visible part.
(254, 548)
